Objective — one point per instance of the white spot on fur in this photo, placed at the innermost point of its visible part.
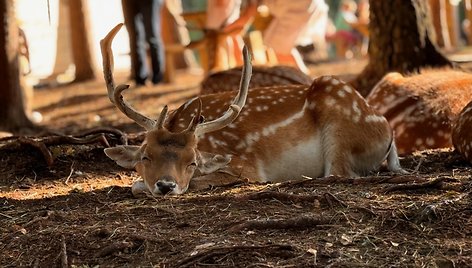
(309, 105)
(330, 101)
(341, 93)
(271, 129)
(230, 135)
(347, 88)
(326, 79)
(215, 143)
(430, 141)
(374, 118)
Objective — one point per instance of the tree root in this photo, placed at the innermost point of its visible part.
(97, 135)
(264, 195)
(430, 211)
(110, 249)
(284, 197)
(300, 223)
(64, 262)
(394, 179)
(435, 184)
(222, 251)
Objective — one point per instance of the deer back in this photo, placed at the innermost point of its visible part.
(262, 76)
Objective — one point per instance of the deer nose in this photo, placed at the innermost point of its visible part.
(165, 186)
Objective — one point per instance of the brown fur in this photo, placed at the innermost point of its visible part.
(262, 76)
(272, 133)
(462, 132)
(422, 107)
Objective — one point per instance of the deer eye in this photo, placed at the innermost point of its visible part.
(193, 164)
(145, 158)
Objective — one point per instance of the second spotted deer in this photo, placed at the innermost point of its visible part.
(421, 108)
(267, 134)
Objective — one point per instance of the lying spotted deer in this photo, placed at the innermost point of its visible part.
(462, 132)
(267, 134)
(422, 107)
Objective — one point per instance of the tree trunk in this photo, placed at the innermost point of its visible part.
(468, 14)
(402, 39)
(12, 112)
(81, 41)
(63, 43)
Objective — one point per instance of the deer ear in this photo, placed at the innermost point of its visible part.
(209, 163)
(126, 156)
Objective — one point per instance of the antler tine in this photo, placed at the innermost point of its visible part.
(162, 117)
(196, 118)
(237, 104)
(114, 93)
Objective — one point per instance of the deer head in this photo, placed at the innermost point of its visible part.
(167, 160)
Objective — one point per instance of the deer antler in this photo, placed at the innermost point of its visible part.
(114, 93)
(237, 104)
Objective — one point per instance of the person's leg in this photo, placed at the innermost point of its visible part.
(290, 18)
(129, 11)
(141, 69)
(151, 12)
(134, 24)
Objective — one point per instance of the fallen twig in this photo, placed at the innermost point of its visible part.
(264, 195)
(64, 262)
(123, 138)
(430, 210)
(329, 197)
(70, 174)
(86, 137)
(217, 251)
(40, 146)
(110, 249)
(394, 179)
(300, 222)
(281, 196)
(436, 184)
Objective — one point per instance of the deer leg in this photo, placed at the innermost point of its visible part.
(393, 163)
(139, 189)
(338, 163)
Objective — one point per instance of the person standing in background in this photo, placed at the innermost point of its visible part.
(143, 22)
(219, 14)
(289, 20)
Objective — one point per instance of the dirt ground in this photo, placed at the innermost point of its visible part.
(79, 211)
